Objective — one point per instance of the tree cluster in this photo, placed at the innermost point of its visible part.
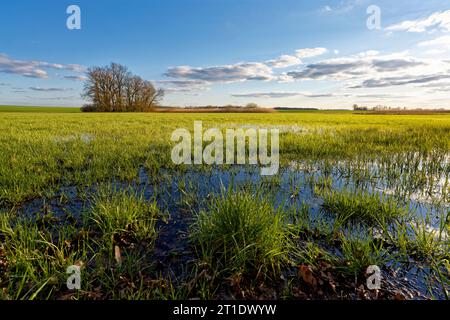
(360, 108)
(114, 89)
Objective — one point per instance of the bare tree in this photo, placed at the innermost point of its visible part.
(114, 89)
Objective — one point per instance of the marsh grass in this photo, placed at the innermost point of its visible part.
(241, 233)
(312, 254)
(320, 183)
(238, 233)
(37, 258)
(428, 243)
(42, 152)
(360, 252)
(359, 206)
(36, 251)
(123, 215)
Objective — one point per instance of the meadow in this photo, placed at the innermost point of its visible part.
(39, 109)
(100, 191)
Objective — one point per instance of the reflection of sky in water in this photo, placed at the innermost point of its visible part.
(293, 187)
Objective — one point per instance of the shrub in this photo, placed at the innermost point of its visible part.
(88, 108)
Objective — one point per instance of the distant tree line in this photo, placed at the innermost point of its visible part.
(114, 89)
(228, 106)
(360, 108)
(296, 109)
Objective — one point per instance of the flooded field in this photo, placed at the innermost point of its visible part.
(100, 192)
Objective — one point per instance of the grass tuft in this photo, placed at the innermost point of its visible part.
(241, 233)
(371, 209)
(124, 216)
(358, 253)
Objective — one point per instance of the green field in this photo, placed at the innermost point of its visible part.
(100, 191)
(39, 109)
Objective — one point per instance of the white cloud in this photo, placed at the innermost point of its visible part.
(284, 61)
(267, 95)
(53, 98)
(437, 86)
(76, 78)
(365, 70)
(286, 94)
(350, 97)
(50, 89)
(327, 9)
(371, 70)
(342, 7)
(310, 52)
(400, 81)
(440, 42)
(368, 53)
(33, 69)
(75, 68)
(434, 51)
(436, 21)
(175, 86)
(188, 78)
(284, 78)
(223, 74)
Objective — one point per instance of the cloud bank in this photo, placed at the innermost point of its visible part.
(438, 21)
(32, 68)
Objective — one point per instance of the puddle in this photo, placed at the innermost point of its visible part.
(179, 193)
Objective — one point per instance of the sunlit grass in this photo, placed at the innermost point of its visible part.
(362, 207)
(41, 152)
(241, 233)
(123, 213)
(237, 234)
(37, 257)
(358, 253)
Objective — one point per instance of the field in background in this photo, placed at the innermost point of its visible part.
(39, 149)
(100, 191)
(39, 109)
(43, 109)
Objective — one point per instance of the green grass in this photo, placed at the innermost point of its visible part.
(123, 216)
(242, 234)
(39, 109)
(372, 209)
(236, 234)
(358, 253)
(37, 257)
(38, 251)
(42, 151)
(427, 243)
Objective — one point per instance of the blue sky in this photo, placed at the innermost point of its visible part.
(272, 52)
